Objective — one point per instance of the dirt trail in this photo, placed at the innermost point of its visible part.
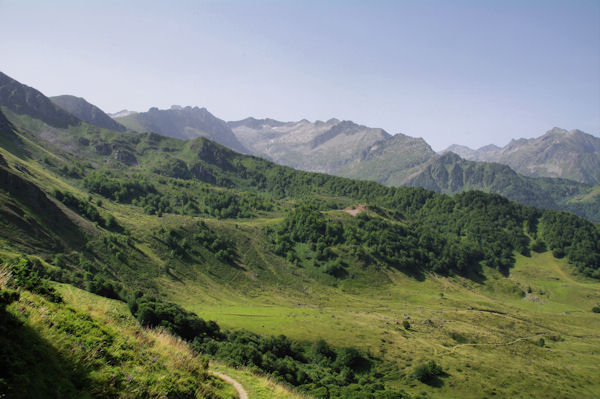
(238, 387)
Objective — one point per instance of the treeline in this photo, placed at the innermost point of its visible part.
(178, 196)
(452, 233)
(180, 242)
(372, 240)
(447, 235)
(576, 238)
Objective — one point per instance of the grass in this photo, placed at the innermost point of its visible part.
(112, 355)
(90, 346)
(483, 334)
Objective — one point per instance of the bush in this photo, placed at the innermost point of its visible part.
(428, 372)
(596, 309)
(538, 246)
(24, 276)
(406, 325)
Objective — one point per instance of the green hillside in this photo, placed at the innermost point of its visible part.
(451, 174)
(333, 287)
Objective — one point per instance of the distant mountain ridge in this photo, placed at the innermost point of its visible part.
(560, 153)
(123, 112)
(325, 147)
(183, 123)
(25, 100)
(449, 173)
(87, 112)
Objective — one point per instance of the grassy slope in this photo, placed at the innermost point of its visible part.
(148, 363)
(484, 335)
(90, 346)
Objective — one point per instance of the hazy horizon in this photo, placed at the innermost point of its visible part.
(470, 72)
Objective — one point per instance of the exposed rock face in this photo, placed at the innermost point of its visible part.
(183, 123)
(558, 153)
(391, 161)
(87, 112)
(23, 99)
(320, 146)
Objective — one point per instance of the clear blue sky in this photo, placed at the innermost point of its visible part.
(468, 72)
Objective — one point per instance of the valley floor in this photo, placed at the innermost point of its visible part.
(493, 338)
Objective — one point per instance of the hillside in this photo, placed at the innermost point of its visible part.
(560, 153)
(182, 123)
(336, 287)
(451, 174)
(87, 112)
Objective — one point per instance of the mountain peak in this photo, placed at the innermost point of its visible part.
(86, 112)
(183, 123)
(22, 99)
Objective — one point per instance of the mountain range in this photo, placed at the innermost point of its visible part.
(570, 154)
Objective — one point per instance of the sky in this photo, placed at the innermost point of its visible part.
(466, 72)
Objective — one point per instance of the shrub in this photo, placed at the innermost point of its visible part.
(538, 246)
(406, 325)
(596, 309)
(24, 276)
(428, 372)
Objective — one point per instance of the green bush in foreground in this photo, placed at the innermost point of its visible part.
(428, 372)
